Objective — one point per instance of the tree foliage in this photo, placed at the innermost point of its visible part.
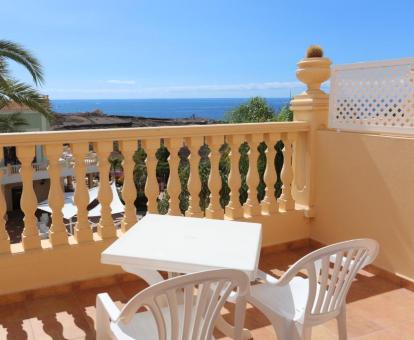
(255, 110)
(12, 90)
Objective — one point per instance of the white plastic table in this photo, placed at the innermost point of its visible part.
(185, 245)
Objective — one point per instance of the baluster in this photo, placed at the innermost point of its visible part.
(28, 201)
(234, 209)
(57, 232)
(214, 209)
(129, 192)
(194, 183)
(152, 189)
(269, 203)
(106, 228)
(252, 207)
(4, 236)
(83, 230)
(174, 184)
(286, 201)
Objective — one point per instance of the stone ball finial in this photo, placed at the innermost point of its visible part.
(314, 69)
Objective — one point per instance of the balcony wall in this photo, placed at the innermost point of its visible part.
(365, 188)
(62, 259)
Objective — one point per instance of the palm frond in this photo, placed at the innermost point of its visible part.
(4, 70)
(24, 94)
(17, 53)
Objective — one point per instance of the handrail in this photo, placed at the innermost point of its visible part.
(50, 137)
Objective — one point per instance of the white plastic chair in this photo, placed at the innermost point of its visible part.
(295, 304)
(184, 307)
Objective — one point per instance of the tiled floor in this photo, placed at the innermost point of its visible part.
(377, 309)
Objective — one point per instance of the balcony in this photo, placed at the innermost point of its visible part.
(346, 173)
(377, 308)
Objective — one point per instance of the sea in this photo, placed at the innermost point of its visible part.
(211, 108)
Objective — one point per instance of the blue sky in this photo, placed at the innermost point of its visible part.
(211, 48)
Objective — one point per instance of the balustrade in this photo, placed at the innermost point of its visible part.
(28, 202)
(57, 233)
(174, 185)
(83, 231)
(286, 199)
(151, 186)
(194, 184)
(193, 137)
(234, 209)
(269, 203)
(252, 207)
(106, 227)
(214, 209)
(129, 192)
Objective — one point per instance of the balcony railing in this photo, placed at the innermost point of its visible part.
(150, 139)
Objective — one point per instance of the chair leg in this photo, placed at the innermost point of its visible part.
(102, 322)
(341, 320)
(284, 330)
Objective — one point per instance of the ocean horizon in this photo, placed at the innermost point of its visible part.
(211, 108)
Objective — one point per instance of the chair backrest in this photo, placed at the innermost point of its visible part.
(331, 271)
(201, 296)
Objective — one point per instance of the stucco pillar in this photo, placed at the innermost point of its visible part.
(310, 106)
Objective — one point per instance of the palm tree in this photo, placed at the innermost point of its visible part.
(12, 90)
(12, 122)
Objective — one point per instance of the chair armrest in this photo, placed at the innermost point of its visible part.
(104, 300)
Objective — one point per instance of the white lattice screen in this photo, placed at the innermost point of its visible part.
(377, 97)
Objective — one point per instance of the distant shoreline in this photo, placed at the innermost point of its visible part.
(99, 120)
(213, 109)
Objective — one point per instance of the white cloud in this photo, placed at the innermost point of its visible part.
(121, 82)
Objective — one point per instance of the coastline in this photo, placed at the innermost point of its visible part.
(99, 120)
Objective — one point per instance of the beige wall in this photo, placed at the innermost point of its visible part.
(49, 266)
(365, 188)
(42, 268)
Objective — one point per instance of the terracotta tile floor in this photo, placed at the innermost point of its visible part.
(377, 309)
